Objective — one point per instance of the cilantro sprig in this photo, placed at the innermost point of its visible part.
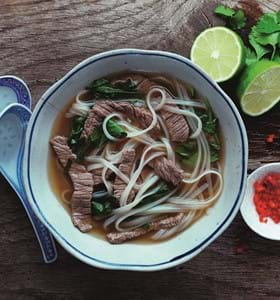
(264, 37)
(235, 19)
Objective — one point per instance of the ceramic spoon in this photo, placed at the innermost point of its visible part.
(13, 90)
(13, 124)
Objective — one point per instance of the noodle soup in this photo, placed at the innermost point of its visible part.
(136, 155)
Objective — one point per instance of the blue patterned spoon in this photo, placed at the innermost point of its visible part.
(13, 124)
(13, 90)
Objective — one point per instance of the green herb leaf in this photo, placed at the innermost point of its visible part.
(265, 39)
(259, 49)
(277, 56)
(191, 160)
(187, 149)
(236, 20)
(269, 23)
(103, 88)
(163, 190)
(224, 11)
(97, 139)
(214, 149)
(211, 127)
(115, 129)
(80, 149)
(209, 121)
(76, 130)
(251, 56)
(103, 208)
(265, 36)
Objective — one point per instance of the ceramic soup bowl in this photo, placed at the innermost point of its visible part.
(133, 256)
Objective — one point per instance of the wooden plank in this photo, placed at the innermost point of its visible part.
(40, 41)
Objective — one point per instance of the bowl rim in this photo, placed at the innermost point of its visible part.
(173, 261)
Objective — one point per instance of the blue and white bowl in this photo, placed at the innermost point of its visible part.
(130, 256)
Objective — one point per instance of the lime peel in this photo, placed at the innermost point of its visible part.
(259, 87)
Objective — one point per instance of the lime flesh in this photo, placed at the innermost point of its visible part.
(219, 52)
(259, 87)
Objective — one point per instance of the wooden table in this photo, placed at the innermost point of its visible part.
(40, 41)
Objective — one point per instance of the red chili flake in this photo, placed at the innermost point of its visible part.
(267, 197)
(270, 138)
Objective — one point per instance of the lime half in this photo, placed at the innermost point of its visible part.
(259, 87)
(219, 52)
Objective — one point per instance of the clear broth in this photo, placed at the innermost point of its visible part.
(60, 182)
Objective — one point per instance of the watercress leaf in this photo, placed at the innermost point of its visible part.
(76, 130)
(268, 23)
(186, 149)
(224, 11)
(190, 161)
(101, 208)
(103, 88)
(97, 208)
(80, 149)
(163, 190)
(181, 150)
(99, 82)
(115, 129)
(97, 138)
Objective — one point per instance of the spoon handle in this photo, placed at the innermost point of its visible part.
(45, 239)
(13, 174)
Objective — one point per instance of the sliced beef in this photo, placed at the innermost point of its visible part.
(176, 124)
(167, 170)
(165, 223)
(140, 114)
(97, 176)
(96, 117)
(125, 166)
(81, 197)
(62, 150)
(104, 108)
(82, 184)
(121, 237)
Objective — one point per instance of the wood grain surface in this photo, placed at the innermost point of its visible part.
(40, 40)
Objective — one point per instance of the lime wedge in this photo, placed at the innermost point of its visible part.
(219, 52)
(259, 87)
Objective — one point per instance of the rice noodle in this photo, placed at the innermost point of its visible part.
(202, 183)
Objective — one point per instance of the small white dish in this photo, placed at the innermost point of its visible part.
(268, 230)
